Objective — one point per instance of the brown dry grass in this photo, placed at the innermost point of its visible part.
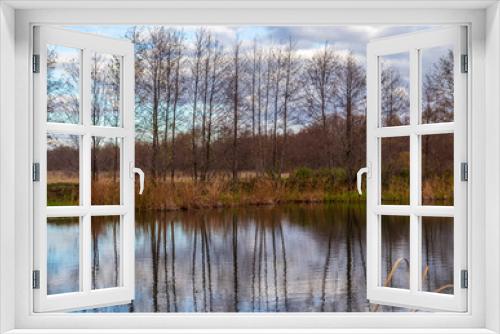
(163, 195)
(437, 189)
(186, 194)
(105, 192)
(62, 177)
(72, 177)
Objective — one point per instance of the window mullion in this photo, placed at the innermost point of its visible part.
(85, 246)
(395, 131)
(417, 154)
(85, 249)
(414, 170)
(87, 139)
(433, 129)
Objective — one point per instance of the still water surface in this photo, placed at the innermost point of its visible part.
(289, 258)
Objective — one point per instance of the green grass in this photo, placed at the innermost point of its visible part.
(63, 194)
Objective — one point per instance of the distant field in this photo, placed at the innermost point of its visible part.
(61, 177)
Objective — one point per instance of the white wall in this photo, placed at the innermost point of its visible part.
(484, 109)
(492, 165)
(7, 160)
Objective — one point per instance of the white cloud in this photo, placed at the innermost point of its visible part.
(308, 38)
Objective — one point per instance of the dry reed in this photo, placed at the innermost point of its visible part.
(408, 277)
(186, 194)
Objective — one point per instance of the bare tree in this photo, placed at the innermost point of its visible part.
(254, 75)
(156, 67)
(277, 80)
(206, 75)
(395, 103)
(291, 70)
(97, 110)
(260, 142)
(170, 45)
(214, 83)
(350, 97)
(200, 44)
(321, 75)
(178, 64)
(115, 74)
(236, 59)
(437, 101)
(268, 89)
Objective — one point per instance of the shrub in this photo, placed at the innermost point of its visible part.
(303, 173)
(324, 173)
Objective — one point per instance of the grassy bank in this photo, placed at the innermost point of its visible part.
(188, 195)
(298, 188)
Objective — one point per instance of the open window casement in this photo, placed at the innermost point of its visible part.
(84, 100)
(380, 127)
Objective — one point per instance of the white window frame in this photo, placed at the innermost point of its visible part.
(484, 49)
(413, 44)
(85, 297)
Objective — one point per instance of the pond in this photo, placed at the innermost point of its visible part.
(284, 258)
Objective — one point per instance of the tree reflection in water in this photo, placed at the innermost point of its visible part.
(289, 258)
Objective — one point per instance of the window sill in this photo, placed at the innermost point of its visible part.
(251, 331)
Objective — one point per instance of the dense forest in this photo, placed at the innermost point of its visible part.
(253, 110)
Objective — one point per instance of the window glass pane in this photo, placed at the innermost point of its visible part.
(437, 254)
(105, 171)
(437, 84)
(105, 249)
(63, 170)
(63, 255)
(395, 249)
(395, 89)
(395, 169)
(63, 84)
(105, 89)
(437, 169)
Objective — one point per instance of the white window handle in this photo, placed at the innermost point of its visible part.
(368, 171)
(139, 171)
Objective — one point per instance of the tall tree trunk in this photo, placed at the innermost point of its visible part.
(116, 158)
(174, 111)
(204, 115)
(193, 130)
(266, 118)
(157, 37)
(210, 113)
(95, 120)
(168, 93)
(235, 114)
(326, 137)
(348, 110)
(260, 143)
(154, 156)
(285, 105)
(200, 45)
(95, 151)
(275, 125)
(254, 156)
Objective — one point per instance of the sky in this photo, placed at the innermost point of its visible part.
(308, 39)
(352, 38)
